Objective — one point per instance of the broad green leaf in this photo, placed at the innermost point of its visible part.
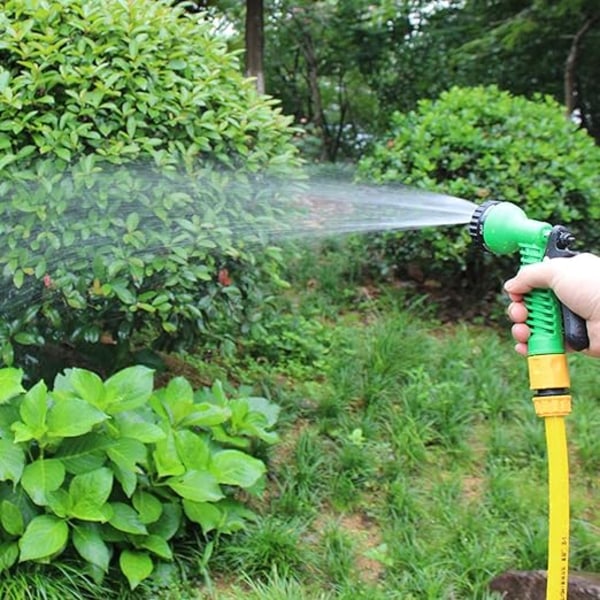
(169, 523)
(22, 432)
(88, 541)
(128, 453)
(205, 414)
(8, 415)
(10, 383)
(178, 399)
(269, 410)
(59, 503)
(233, 467)
(129, 389)
(12, 461)
(125, 518)
(166, 457)
(11, 518)
(34, 408)
(157, 545)
(86, 384)
(44, 537)
(71, 417)
(235, 515)
(199, 486)
(136, 566)
(193, 448)
(88, 509)
(84, 454)
(127, 478)
(9, 552)
(41, 477)
(94, 487)
(148, 506)
(130, 426)
(206, 514)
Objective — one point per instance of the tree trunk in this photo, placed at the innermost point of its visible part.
(255, 43)
(571, 91)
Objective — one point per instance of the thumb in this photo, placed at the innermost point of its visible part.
(529, 277)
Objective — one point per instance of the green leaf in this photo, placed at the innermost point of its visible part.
(126, 519)
(88, 541)
(12, 461)
(10, 383)
(127, 478)
(169, 523)
(11, 518)
(193, 448)
(86, 384)
(91, 489)
(9, 552)
(136, 566)
(166, 458)
(42, 477)
(71, 417)
(233, 467)
(127, 453)
(44, 537)
(148, 506)
(34, 408)
(205, 414)
(157, 545)
(129, 389)
(269, 410)
(132, 426)
(84, 454)
(123, 293)
(199, 486)
(206, 514)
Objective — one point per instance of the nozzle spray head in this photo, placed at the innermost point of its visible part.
(504, 228)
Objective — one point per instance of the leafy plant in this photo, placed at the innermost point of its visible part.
(114, 470)
(480, 143)
(132, 178)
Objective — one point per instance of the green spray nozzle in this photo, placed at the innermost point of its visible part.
(504, 228)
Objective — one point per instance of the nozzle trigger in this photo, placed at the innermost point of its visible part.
(559, 244)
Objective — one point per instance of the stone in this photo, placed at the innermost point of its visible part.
(531, 585)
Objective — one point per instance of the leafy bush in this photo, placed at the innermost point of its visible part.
(116, 471)
(132, 176)
(480, 143)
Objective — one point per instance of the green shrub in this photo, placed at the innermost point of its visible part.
(115, 470)
(480, 143)
(133, 158)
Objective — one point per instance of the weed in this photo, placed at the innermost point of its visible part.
(272, 543)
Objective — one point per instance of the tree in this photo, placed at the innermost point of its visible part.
(254, 35)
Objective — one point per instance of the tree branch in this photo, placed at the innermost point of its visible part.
(571, 64)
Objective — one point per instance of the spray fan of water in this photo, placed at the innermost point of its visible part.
(243, 213)
(334, 208)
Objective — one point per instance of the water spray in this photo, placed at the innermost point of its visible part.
(503, 228)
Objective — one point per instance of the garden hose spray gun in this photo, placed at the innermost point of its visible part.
(503, 228)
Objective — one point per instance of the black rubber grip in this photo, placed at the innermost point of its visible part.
(575, 327)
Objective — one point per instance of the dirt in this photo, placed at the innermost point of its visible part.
(366, 535)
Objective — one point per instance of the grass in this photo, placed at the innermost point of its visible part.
(411, 464)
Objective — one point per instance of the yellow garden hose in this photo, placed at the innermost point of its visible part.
(548, 374)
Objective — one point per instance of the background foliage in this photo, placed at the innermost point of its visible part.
(130, 141)
(483, 143)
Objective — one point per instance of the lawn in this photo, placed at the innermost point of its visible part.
(411, 463)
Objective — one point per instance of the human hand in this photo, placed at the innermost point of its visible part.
(576, 283)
